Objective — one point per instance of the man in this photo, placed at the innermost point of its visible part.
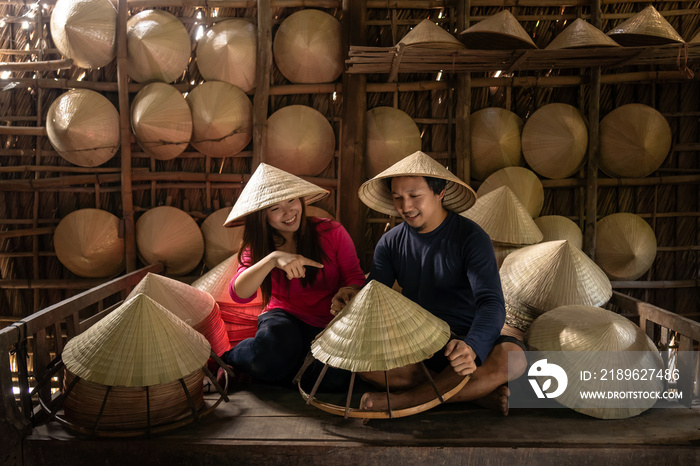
(445, 263)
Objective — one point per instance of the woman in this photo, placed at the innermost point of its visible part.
(300, 265)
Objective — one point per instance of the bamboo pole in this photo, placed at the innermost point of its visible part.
(45, 65)
(23, 130)
(262, 83)
(463, 112)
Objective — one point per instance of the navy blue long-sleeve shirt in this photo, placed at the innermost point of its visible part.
(451, 272)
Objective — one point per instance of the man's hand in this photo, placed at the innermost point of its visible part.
(293, 264)
(462, 357)
(342, 297)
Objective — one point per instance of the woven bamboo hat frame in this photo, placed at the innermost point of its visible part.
(87, 243)
(495, 141)
(586, 336)
(216, 281)
(524, 183)
(391, 135)
(222, 118)
(158, 46)
(498, 32)
(554, 140)
(161, 120)
(227, 52)
(625, 246)
(376, 195)
(83, 127)
(169, 235)
(634, 141)
(85, 31)
(220, 242)
(308, 48)
(427, 33)
(648, 27)
(557, 227)
(268, 186)
(581, 34)
(300, 140)
(504, 218)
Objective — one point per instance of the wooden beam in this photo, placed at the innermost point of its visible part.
(262, 83)
(45, 65)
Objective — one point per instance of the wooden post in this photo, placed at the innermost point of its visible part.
(262, 83)
(464, 102)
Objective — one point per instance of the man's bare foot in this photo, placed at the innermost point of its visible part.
(497, 399)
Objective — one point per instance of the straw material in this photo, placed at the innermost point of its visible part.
(308, 47)
(375, 194)
(139, 344)
(501, 251)
(269, 186)
(581, 34)
(161, 120)
(380, 330)
(634, 141)
(216, 281)
(313, 211)
(625, 246)
(504, 218)
(554, 140)
(85, 31)
(695, 39)
(428, 33)
(645, 28)
(222, 116)
(556, 227)
(391, 135)
(87, 243)
(220, 242)
(169, 235)
(498, 32)
(578, 334)
(227, 52)
(526, 186)
(300, 140)
(158, 47)
(83, 127)
(495, 141)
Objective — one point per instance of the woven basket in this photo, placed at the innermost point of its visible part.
(625, 246)
(526, 186)
(645, 28)
(391, 135)
(495, 141)
(220, 242)
(581, 34)
(498, 32)
(428, 34)
(557, 227)
(227, 52)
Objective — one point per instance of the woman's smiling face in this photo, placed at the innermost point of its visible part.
(285, 216)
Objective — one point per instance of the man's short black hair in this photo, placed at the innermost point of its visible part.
(436, 185)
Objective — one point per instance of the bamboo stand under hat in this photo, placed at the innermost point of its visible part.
(498, 32)
(524, 183)
(557, 227)
(625, 246)
(220, 242)
(648, 27)
(391, 135)
(495, 141)
(581, 34)
(427, 33)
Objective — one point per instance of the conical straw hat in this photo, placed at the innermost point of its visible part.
(313, 211)
(83, 127)
(220, 242)
(139, 344)
(648, 27)
(695, 39)
(554, 140)
(158, 47)
(300, 140)
(581, 34)
(526, 186)
(222, 118)
(308, 47)
(375, 194)
(504, 218)
(391, 135)
(634, 141)
(269, 186)
(501, 251)
(85, 31)
(227, 52)
(161, 120)
(498, 32)
(216, 281)
(169, 235)
(586, 337)
(87, 242)
(557, 227)
(428, 33)
(495, 141)
(379, 330)
(625, 246)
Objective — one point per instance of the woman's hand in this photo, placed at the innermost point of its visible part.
(293, 264)
(342, 297)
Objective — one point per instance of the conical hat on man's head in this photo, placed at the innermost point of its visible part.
(428, 33)
(498, 32)
(648, 27)
(523, 182)
(376, 195)
(581, 34)
(269, 186)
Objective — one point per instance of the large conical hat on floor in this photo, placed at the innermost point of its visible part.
(581, 34)
(267, 187)
(504, 218)
(429, 34)
(220, 242)
(391, 135)
(498, 32)
(495, 141)
(554, 140)
(139, 344)
(557, 227)
(227, 52)
(85, 31)
(216, 281)
(648, 27)
(379, 330)
(634, 141)
(87, 242)
(524, 183)
(625, 246)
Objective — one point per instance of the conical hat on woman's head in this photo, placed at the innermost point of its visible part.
(220, 242)
(495, 141)
(648, 27)
(557, 227)
(429, 34)
(391, 135)
(581, 34)
(498, 32)
(524, 183)
(227, 52)
(625, 246)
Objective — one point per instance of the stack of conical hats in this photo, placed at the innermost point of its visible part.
(429, 34)
(220, 243)
(625, 246)
(581, 34)
(495, 141)
(557, 227)
(648, 27)
(500, 31)
(524, 183)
